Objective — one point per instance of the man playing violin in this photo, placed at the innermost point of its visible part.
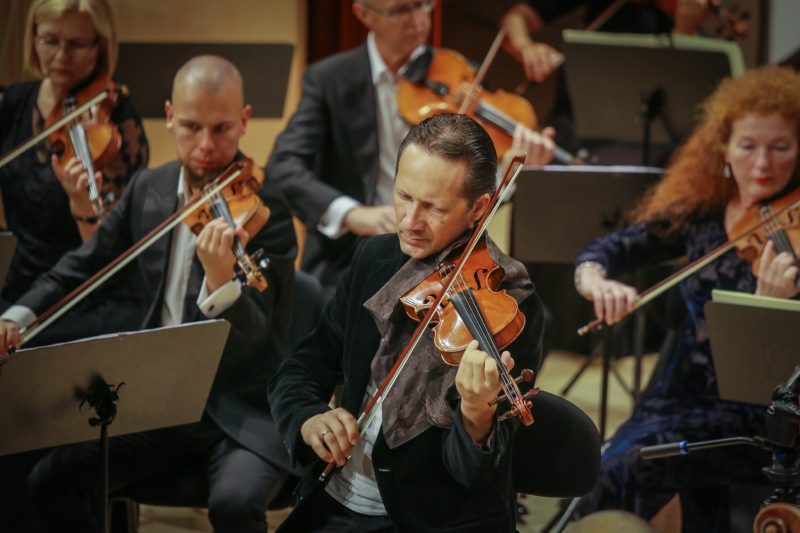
(435, 457)
(335, 160)
(186, 279)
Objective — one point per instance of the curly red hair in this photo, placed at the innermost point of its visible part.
(694, 182)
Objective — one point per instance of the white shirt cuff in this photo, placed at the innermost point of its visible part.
(331, 222)
(220, 300)
(20, 314)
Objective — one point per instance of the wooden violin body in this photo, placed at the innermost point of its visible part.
(783, 230)
(444, 89)
(482, 277)
(93, 138)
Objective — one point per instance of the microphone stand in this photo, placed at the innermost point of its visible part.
(781, 429)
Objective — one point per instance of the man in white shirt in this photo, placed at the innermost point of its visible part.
(335, 161)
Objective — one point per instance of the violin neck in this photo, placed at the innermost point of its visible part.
(775, 232)
(468, 310)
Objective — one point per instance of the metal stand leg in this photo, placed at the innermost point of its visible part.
(608, 353)
(639, 320)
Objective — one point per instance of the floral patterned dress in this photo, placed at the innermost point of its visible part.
(684, 401)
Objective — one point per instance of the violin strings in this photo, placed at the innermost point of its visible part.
(485, 336)
(219, 207)
(496, 117)
(775, 232)
(77, 135)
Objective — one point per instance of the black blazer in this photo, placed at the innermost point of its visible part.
(258, 339)
(328, 149)
(439, 481)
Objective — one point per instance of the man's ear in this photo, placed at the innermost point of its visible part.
(360, 12)
(479, 206)
(170, 115)
(247, 112)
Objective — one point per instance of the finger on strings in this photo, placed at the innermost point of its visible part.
(767, 256)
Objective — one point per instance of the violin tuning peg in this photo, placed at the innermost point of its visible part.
(499, 399)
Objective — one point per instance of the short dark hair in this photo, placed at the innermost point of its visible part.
(460, 139)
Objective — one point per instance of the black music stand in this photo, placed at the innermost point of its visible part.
(7, 244)
(558, 210)
(140, 380)
(753, 342)
(643, 88)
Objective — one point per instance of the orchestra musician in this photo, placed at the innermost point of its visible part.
(540, 60)
(435, 457)
(744, 152)
(186, 279)
(335, 160)
(68, 44)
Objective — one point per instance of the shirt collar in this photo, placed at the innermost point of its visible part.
(377, 64)
(183, 190)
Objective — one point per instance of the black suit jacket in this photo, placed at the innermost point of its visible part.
(328, 149)
(258, 339)
(438, 481)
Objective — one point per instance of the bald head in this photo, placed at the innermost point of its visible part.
(207, 116)
(208, 73)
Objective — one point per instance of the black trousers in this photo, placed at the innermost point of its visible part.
(65, 484)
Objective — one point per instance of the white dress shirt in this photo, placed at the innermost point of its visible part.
(392, 129)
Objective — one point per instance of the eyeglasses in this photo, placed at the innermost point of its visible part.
(405, 10)
(51, 44)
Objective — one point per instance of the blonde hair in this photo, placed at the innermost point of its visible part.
(100, 13)
(694, 183)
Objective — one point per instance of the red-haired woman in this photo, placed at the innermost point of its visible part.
(743, 152)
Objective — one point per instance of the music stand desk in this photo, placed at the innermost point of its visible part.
(7, 244)
(609, 75)
(559, 209)
(167, 373)
(753, 342)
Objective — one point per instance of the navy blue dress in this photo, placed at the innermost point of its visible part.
(684, 401)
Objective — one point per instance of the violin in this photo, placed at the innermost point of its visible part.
(91, 137)
(240, 205)
(446, 89)
(783, 230)
(101, 151)
(731, 22)
(473, 308)
(482, 277)
(778, 221)
(231, 179)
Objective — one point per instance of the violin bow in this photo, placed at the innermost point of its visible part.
(472, 92)
(367, 415)
(77, 295)
(670, 281)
